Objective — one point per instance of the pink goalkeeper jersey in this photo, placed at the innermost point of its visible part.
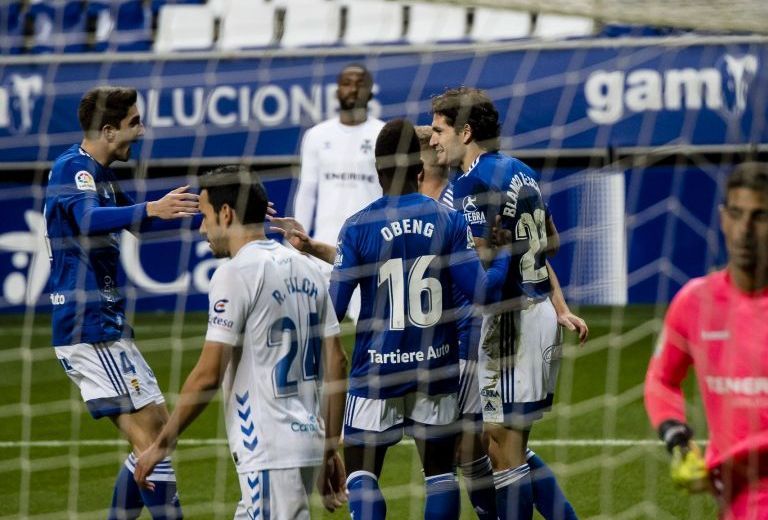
(723, 332)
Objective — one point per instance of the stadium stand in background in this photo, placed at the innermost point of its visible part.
(72, 26)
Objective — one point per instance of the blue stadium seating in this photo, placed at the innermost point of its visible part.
(121, 25)
(157, 4)
(59, 26)
(67, 26)
(12, 28)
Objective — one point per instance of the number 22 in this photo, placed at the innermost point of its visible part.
(533, 228)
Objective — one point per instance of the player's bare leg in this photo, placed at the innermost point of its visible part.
(141, 428)
(506, 446)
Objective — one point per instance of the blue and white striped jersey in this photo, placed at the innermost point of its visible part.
(406, 253)
(446, 197)
(84, 250)
(497, 184)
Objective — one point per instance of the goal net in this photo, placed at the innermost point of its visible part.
(713, 15)
(632, 137)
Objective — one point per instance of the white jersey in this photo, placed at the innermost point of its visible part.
(338, 175)
(273, 302)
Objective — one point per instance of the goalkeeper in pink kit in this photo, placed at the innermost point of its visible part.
(719, 325)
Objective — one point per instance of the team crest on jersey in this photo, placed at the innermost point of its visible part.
(469, 204)
(84, 181)
(220, 306)
(366, 147)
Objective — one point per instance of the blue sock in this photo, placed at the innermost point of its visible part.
(478, 479)
(549, 499)
(514, 493)
(443, 498)
(163, 502)
(126, 499)
(365, 498)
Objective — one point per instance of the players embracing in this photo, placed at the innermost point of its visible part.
(520, 343)
(406, 252)
(466, 128)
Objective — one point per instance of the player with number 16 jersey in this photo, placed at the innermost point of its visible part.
(405, 252)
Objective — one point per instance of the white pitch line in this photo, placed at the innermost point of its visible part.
(589, 443)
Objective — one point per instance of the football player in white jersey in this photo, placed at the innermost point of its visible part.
(338, 171)
(271, 325)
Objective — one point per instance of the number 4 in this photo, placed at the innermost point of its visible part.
(128, 367)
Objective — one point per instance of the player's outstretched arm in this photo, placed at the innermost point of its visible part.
(564, 315)
(331, 482)
(199, 389)
(93, 219)
(178, 203)
(297, 236)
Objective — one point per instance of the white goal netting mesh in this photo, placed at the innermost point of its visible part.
(633, 140)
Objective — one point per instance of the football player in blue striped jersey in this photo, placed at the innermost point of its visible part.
(85, 209)
(406, 251)
(520, 344)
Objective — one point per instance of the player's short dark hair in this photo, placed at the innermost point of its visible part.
(470, 106)
(367, 77)
(238, 187)
(397, 151)
(750, 175)
(103, 106)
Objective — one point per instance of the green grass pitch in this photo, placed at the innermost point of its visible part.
(597, 438)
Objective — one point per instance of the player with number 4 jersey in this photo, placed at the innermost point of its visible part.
(85, 210)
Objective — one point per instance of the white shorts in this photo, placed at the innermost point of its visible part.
(469, 388)
(518, 362)
(275, 494)
(113, 377)
(382, 422)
